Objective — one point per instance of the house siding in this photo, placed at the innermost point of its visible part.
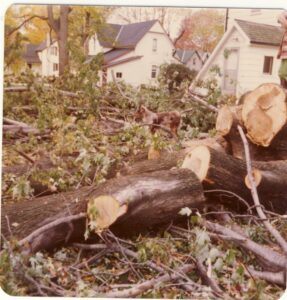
(138, 71)
(251, 67)
(48, 60)
(235, 41)
(264, 16)
(198, 63)
(250, 63)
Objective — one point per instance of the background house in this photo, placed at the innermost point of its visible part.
(258, 15)
(43, 59)
(134, 52)
(245, 57)
(32, 59)
(193, 59)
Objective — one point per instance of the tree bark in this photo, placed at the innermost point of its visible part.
(150, 198)
(226, 124)
(61, 31)
(225, 175)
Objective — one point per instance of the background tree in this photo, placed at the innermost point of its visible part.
(60, 27)
(70, 25)
(23, 24)
(176, 75)
(202, 30)
(86, 20)
(167, 16)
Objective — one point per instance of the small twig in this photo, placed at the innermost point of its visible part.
(124, 255)
(119, 88)
(92, 259)
(146, 285)
(25, 156)
(208, 280)
(231, 193)
(273, 231)
(158, 126)
(8, 225)
(203, 102)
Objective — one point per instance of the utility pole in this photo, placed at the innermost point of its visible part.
(226, 19)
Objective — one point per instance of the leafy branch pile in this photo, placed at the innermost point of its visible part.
(87, 135)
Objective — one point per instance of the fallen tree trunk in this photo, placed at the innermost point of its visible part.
(226, 177)
(13, 127)
(271, 184)
(148, 199)
(226, 125)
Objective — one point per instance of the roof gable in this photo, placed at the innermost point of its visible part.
(218, 47)
(30, 55)
(262, 34)
(123, 36)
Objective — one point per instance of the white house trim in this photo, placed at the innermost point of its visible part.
(218, 47)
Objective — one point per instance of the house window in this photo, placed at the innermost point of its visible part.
(55, 67)
(194, 61)
(119, 74)
(154, 45)
(153, 71)
(94, 43)
(268, 64)
(54, 50)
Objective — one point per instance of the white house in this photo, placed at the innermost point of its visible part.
(43, 59)
(245, 57)
(258, 15)
(193, 59)
(133, 52)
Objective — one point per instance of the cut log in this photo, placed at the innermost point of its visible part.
(225, 175)
(228, 119)
(264, 113)
(273, 185)
(149, 199)
(277, 150)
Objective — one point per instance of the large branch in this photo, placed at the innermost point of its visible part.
(51, 20)
(24, 22)
(273, 231)
(270, 257)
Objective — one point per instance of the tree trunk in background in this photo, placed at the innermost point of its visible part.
(60, 27)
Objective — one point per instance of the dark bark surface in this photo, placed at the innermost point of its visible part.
(152, 198)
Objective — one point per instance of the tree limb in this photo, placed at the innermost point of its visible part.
(52, 224)
(24, 22)
(271, 257)
(143, 287)
(203, 102)
(52, 22)
(273, 231)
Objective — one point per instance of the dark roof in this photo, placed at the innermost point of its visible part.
(115, 53)
(110, 55)
(42, 46)
(123, 36)
(122, 61)
(185, 54)
(261, 33)
(30, 55)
